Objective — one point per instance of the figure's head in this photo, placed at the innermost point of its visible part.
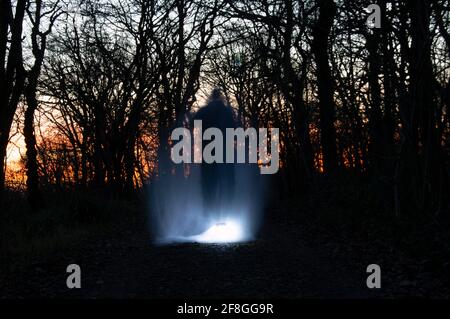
(216, 94)
(216, 98)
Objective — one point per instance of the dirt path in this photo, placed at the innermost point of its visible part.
(282, 263)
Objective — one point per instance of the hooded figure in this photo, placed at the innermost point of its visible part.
(217, 179)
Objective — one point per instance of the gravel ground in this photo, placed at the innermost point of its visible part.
(286, 261)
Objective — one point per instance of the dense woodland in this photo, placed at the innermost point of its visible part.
(96, 87)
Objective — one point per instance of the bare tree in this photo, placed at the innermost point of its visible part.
(325, 83)
(12, 74)
(36, 13)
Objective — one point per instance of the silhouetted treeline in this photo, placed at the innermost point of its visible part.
(97, 87)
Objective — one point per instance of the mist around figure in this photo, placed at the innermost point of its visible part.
(214, 202)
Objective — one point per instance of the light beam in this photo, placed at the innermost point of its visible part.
(229, 231)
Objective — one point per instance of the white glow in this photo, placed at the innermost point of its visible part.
(225, 232)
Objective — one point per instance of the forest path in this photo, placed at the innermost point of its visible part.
(283, 262)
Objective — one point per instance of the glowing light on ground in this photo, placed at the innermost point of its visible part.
(224, 232)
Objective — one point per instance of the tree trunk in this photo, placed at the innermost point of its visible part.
(34, 195)
(375, 114)
(4, 134)
(321, 32)
(421, 176)
(12, 76)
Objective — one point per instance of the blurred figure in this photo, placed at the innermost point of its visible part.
(217, 179)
